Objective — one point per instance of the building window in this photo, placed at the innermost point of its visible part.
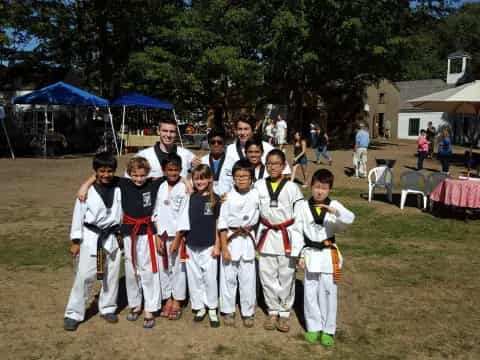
(381, 98)
(456, 66)
(413, 126)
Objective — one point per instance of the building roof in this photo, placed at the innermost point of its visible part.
(459, 54)
(417, 88)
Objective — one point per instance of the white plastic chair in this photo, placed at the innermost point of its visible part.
(380, 176)
(412, 182)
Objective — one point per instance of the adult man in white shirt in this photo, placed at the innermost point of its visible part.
(281, 126)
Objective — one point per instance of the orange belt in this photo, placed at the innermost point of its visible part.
(241, 231)
(282, 227)
(138, 222)
(336, 264)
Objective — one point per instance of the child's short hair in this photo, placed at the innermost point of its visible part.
(244, 117)
(216, 132)
(257, 141)
(323, 176)
(277, 152)
(104, 159)
(422, 131)
(137, 163)
(173, 159)
(243, 164)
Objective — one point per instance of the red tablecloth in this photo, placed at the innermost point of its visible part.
(462, 193)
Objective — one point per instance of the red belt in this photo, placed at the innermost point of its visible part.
(282, 227)
(138, 222)
(183, 251)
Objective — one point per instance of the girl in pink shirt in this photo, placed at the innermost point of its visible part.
(422, 143)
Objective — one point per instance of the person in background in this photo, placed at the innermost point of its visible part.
(300, 156)
(422, 143)
(445, 150)
(313, 135)
(269, 131)
(281, 135)
(362, 140)
(322, 144)
(215, 159)
(431, 132)
(387, 125)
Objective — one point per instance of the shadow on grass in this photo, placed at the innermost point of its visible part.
(298, 304)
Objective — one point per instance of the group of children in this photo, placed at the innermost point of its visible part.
(173, 239)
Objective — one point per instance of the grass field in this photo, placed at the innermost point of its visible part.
(410, 286)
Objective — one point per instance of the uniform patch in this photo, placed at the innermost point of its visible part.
(147, 199)
(208, 209)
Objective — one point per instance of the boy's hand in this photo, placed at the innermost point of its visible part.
(227, 257)
(301, 263)
(223, 198)
(82, 193)
(188, 186)
(196, 161)
(75, 249)
(215, 251)
(330, 209)
(159, 243)
(174, 245)
(327, 243)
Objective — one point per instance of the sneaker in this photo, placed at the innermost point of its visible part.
(270, 322)
(229, 320)
(70, 324)
(248, 321)
(200, 315)
(327, 340)
(312, 336)
(111, 318)
(212, 315)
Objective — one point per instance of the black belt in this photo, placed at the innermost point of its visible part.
(317, 245)
(103, 234)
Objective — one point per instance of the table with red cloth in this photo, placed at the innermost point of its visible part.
(456, 192)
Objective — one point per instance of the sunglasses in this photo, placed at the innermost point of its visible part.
(216, 142)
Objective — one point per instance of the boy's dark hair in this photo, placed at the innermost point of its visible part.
(323, 176)
(423, 131)
(167, 120)
(173, 159)
(277, 152)
(243, 165)
(216, 132)
(104, 159)
(246, 118)
(256, 140)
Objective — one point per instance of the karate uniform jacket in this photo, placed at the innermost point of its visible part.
(224, 183)
(156, 168)
(240, 210)
(318, 260)
(93, 211)
(171, 209)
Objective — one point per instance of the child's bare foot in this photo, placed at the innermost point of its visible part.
(167, 308)
(176, 310)
(229, 320)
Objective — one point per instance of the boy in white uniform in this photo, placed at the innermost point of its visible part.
(276, 266)
(215, 160)
(93, 234)
(316, 222)
(171, 212)
(238, 217)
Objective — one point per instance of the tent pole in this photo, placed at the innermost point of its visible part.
(113, 130)
(123, 130)
(178, 128)
(8, 139)
(45, 130)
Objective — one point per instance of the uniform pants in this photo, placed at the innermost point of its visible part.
(241, 273)
(360, 162)
(84, 279)
(202, 277)
(320, 302)
(277, 276)
(141, 279)
(173, 279)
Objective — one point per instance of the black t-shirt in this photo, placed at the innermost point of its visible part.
(138, 201)
(203, 221)
(321, 140)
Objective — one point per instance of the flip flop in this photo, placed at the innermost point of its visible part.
(148, 323)
(133, 315)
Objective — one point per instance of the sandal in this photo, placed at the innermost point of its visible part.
(270, 322)
(166, 309)
(148, 323)
(229, 320)
(283, 325)
(248, 321)
(134, 314)
(175, 314)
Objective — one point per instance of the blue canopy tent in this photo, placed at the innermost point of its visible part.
(62, 93)
(140, 100)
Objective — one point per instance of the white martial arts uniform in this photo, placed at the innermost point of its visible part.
(223, 184)
(171, 214)
(239, 210)
(276, 267)
(201, 265)
(281, 133)
(232, 156)
(156, 167)
(320, 291)
(93, 211)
